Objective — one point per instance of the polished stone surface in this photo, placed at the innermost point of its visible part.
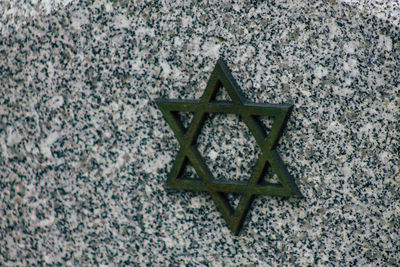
(85, 151)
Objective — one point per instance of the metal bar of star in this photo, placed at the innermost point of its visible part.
(195, 185)
(225, 107)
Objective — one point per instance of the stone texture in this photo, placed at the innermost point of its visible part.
(85, 151)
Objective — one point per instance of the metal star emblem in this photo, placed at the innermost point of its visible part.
(250, 113)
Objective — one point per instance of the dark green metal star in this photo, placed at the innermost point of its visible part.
(250, 113)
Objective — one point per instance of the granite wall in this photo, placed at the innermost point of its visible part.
(85, 152)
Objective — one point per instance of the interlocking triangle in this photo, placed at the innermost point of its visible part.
(249, 112)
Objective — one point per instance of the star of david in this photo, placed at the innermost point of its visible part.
(250, 113)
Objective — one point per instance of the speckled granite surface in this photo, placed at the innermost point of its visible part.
(85, 151)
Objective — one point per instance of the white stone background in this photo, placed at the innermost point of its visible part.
(339, 224)
(383, 9)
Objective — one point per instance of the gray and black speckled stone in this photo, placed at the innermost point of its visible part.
(85, 152)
